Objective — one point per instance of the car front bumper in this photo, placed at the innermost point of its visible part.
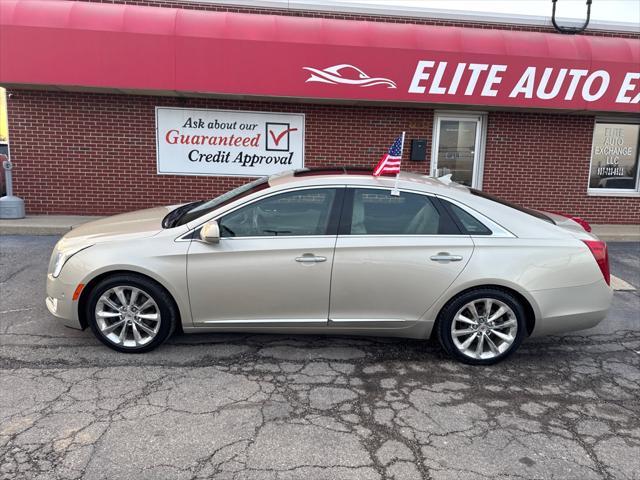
(60, 303)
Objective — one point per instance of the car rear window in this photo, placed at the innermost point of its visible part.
(529, 211)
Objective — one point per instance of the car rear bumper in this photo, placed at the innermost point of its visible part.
(572, 308)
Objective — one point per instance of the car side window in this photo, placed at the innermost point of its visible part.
(377, 212)
(469, 223)
(300, 212)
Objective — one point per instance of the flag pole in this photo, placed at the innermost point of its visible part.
(395, 192)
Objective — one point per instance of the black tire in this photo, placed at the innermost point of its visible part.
(167, 309)
(448, 313)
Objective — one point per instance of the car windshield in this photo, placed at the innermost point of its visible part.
(203, 208)
(534, 213)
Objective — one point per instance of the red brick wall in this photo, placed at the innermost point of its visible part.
(542, 160)
(91, 153)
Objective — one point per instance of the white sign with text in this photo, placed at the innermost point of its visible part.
(228, 142)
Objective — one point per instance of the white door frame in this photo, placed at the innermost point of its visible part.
(481, 136)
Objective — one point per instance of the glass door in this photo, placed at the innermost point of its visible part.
(458, 147)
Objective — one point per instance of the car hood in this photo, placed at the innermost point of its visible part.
(138, 224)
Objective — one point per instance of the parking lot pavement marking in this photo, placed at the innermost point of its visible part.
(621, 285)
(17, 310)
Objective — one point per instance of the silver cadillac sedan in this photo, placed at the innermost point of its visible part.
(339, 252)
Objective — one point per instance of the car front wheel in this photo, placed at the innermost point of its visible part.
(130, 313)
(482, 327)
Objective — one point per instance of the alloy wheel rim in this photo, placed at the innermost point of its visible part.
(484, 328)
(127, 316)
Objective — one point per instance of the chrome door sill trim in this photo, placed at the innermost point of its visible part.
(266, 322)
(367, 320)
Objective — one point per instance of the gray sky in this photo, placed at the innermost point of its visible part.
(627, 11)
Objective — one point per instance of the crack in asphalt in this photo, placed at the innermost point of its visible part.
(281, 407)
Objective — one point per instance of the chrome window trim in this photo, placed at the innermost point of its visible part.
(405, 235)
(268, 237)
(389, 189)
(497, 230)
(216, 215)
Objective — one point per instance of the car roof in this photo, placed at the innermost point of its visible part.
(364, 177)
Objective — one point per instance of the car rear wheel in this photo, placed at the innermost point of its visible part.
(130, 313)
(482, 327)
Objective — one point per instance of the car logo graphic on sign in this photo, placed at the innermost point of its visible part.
(347, 75)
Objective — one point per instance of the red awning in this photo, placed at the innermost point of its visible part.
(75, 44)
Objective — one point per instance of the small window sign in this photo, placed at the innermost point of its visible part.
(614, 158)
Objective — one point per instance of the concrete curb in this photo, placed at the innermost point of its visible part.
(43, 224)
(619, 238)
(617, 233)
(32, 230)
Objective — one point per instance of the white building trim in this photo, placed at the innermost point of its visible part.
(396, 10)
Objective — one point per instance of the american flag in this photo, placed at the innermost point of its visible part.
(390, 162)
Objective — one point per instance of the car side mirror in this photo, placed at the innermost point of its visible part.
(210, 232)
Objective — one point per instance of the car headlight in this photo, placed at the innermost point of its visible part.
(62, 256)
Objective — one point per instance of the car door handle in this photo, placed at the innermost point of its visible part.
(446, 257)
(310, 258)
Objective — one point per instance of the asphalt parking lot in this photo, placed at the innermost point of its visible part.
(294, 407)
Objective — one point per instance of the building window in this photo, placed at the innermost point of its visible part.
(614, 159)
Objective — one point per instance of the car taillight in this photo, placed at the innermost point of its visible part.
(599, 250)
(580, 221)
